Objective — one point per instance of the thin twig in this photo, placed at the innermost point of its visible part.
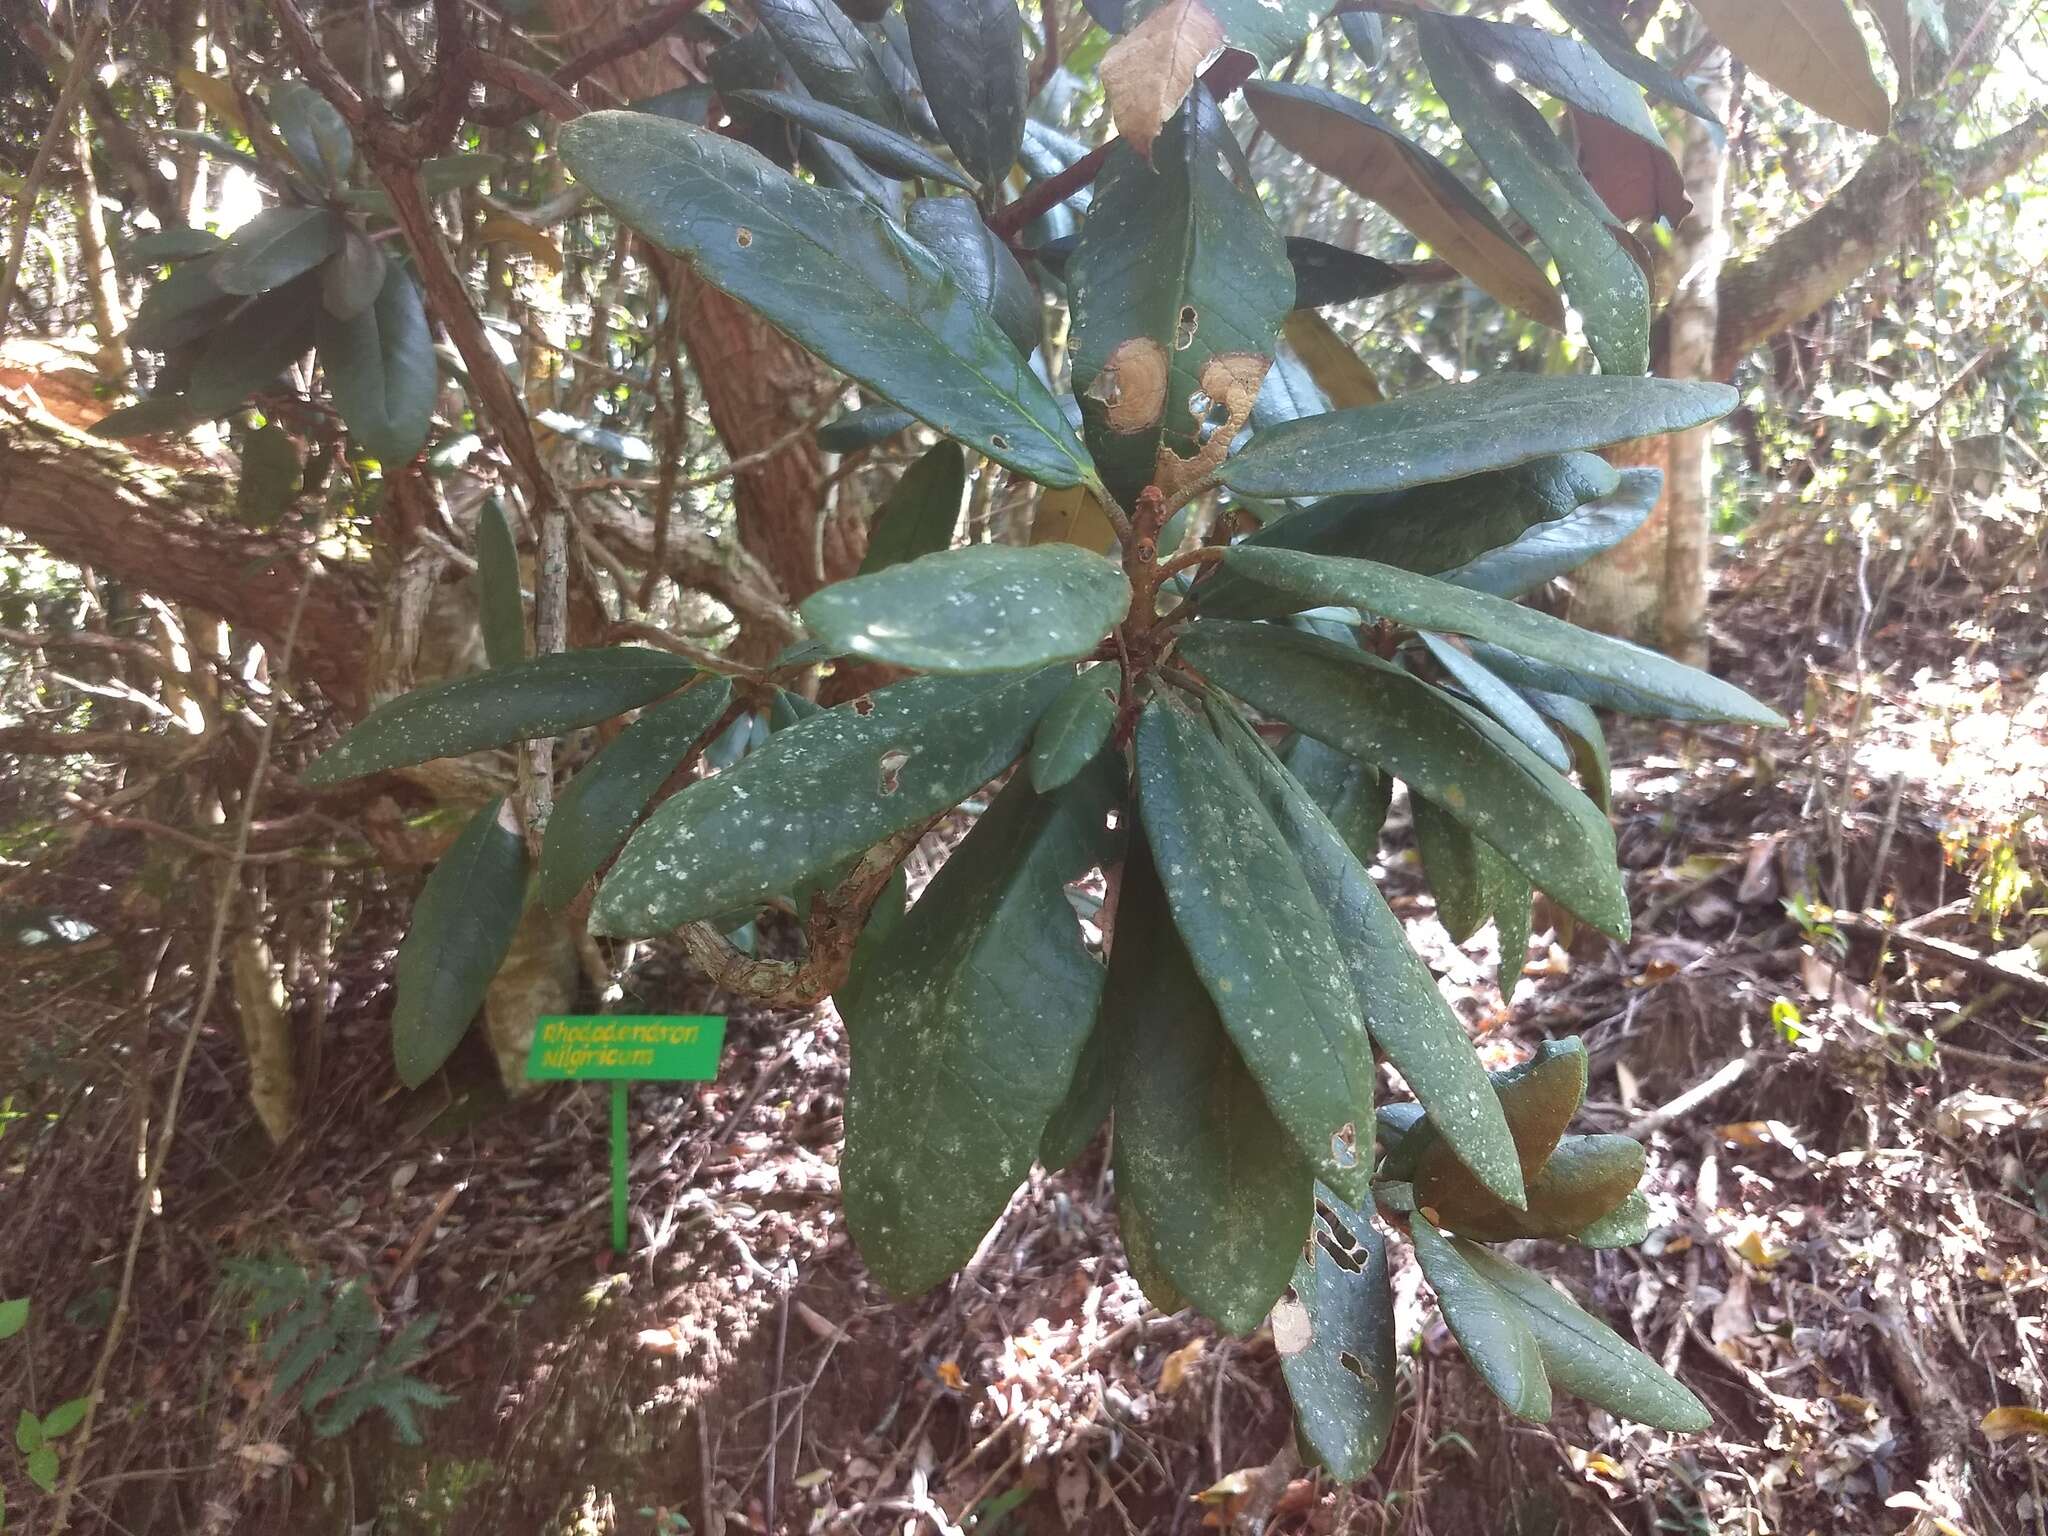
(152, 1182)
(25, 199)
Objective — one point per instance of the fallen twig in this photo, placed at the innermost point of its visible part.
(1961, 957)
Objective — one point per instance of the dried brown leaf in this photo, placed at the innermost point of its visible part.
(1148, 71)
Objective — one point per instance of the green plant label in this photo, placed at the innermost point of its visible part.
(583, 1047)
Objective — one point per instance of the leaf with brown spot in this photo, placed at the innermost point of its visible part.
(1230, 382)
(1809, 49)
(1148, 71)
(1131, 388)
(1177, 263)
(1349, 141)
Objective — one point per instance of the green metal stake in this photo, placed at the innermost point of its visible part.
(619, 1140)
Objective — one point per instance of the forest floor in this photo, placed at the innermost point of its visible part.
(1848, 1258)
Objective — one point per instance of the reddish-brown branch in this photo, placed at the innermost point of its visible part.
(539, 90)
(650, 28)
(1221, 78)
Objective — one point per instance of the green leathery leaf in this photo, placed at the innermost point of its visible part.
(968, 1031)
(1513, 712)
(982, 608)
(1179, 286)
(818, 795)
(1588, 741)
(1537, 1098)
(951, 228)
(835, 274)
(1072, 1126)
(314, 132)
(1403, 1010)
(1345, 139)
(270, 478)
(1584, 1356)
(970, 61)
(1546, 550)
(597, 810)
(1583, 1181)
(178, 243)
(1268, 30)
(382, 371)
(789, 709)
(523, 701)
(1491, 1329)
(1423, 602)
(1604, 692)
(1543, 183)
(1450, 430)
(1213, 1196)
(1075, 728)
(884, 918)
(1326, 274)
(1354, 795)
(1436, 744)
(1459, 867)
(899, 64)
(863, 428)
(180, 308)
(13, 1316)
(1623, 1227)
(353, 276)
(1141, 1257)
(276, 246)
(753, 62)
(889, 152)
(265, 337)
(1614, 45)
(1512, 923)
(1436, 528)
(1259, 939)
(921, 512)
(833, 59)
(1573, 72)
(1344, 1382)
(1366, 32)
(501, 607)
(462, 926)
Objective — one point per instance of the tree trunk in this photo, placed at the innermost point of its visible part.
(1652, 587)
(102, 287)
(1897, 189)
(1699, 247)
